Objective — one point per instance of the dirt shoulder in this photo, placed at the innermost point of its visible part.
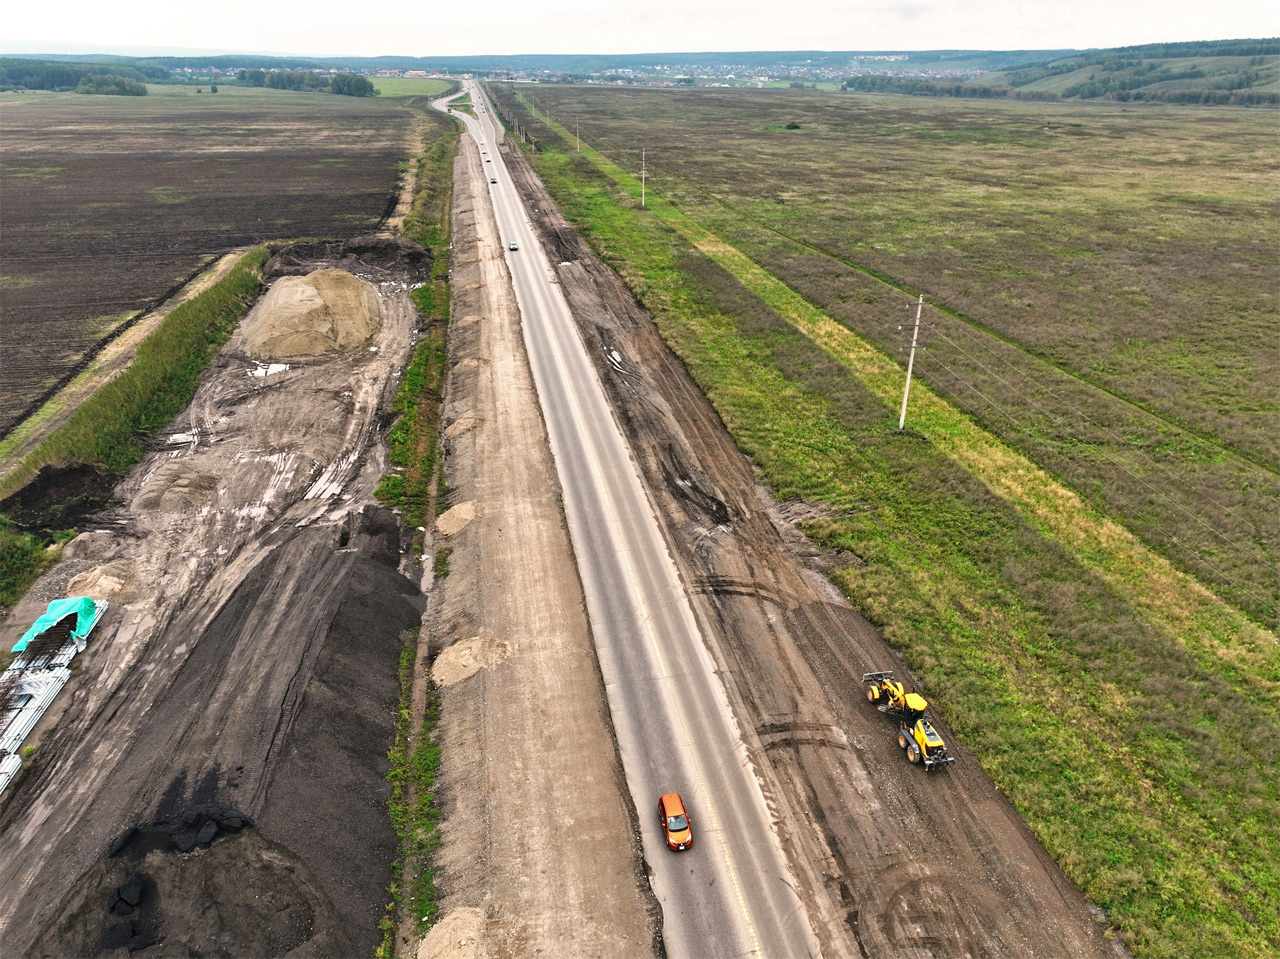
(541, 853)
(246, 667)
(890, 862)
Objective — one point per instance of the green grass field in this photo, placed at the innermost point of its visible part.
(411, 86)
(1127, 712)
(1098, 278)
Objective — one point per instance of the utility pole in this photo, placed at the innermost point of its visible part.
(902, 418)
(642, 171)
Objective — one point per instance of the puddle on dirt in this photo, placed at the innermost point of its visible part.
(263, 370)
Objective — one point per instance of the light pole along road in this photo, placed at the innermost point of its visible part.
(731, 894)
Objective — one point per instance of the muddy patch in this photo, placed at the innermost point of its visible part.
(177, 486)
(60, 497)
(374, 256)
(243, 895)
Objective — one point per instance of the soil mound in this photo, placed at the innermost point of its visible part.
(101, 582)
(304, 317)
(176, 486)
(244, 895)
(379, 256)
(60, 497)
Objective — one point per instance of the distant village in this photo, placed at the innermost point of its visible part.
(656, 75)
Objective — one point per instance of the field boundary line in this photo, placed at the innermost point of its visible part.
(111, 357)
(963, 318)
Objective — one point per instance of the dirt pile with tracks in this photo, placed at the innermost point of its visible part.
(236, 705)
(305, 317)
(891, 863)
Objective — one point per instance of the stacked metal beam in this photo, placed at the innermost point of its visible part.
(30, 689)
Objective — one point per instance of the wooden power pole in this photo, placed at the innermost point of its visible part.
(915, 334)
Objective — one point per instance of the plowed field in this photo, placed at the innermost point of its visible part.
(111, 202)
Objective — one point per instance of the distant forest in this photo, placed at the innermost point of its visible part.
(18, 73)
(1227, 72)
(1231, 72)
(130, 79)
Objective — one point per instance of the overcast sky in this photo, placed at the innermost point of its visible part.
(424, 28)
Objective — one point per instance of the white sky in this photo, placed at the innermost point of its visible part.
(330, 28)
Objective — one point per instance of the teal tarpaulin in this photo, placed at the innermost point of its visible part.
(82, 606)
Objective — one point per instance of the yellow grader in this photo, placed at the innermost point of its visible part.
(915, 733)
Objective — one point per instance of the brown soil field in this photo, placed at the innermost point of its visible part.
(111, 202)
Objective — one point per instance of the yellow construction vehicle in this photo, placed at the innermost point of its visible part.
(915, 733)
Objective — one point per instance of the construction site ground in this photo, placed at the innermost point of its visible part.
(249, 663)
(248, 660)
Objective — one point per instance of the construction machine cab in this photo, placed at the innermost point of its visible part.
(913, 707)
(916, 734)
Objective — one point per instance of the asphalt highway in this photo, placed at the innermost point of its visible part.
(731, 894)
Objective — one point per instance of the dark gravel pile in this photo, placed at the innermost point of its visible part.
(392, 258)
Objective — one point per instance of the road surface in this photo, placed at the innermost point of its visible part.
(732, 894)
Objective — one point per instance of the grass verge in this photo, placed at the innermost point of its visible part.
(1134, 740)
(414, 813)
(23, 557)
(106, 430)
(413, 490)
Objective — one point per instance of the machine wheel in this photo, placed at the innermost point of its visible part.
(913, 752)
(902, 740)
(873, 693)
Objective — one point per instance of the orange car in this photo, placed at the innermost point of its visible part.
(676, 824)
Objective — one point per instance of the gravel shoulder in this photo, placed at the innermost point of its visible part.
(540, 853)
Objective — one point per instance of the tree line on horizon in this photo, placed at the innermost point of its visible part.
(342, 84)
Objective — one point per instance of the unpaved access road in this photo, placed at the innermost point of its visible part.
(248, 660)
(540, 853)
(889, 860)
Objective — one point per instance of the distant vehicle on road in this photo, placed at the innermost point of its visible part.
(493, 179)
(676, 824)
(513, 245)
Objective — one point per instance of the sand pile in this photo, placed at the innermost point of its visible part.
(101, 582)
(176, 487)
(303, 317)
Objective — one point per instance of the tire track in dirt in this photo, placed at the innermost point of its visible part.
(249, 660)
(893, 863)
